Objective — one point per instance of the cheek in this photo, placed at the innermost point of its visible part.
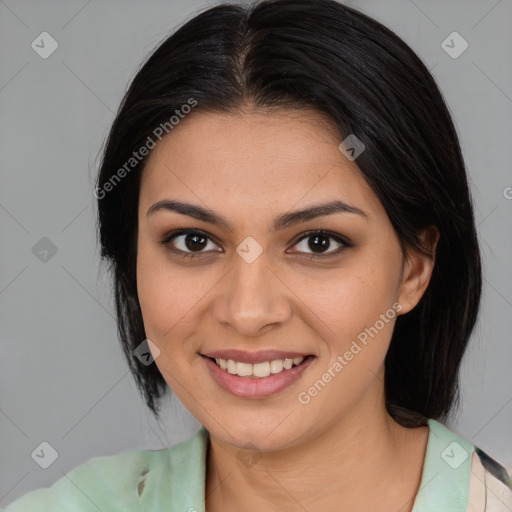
(350, 299)
(165, 294)
(355, 317)
(173, 301)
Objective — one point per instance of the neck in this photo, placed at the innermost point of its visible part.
(366, 461)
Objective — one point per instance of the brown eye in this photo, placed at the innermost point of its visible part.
(192, 243)
(319, 242)
(187, 242)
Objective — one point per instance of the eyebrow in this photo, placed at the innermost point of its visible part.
(283, 221)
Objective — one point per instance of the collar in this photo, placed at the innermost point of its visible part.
(444, 482)
(446, 471)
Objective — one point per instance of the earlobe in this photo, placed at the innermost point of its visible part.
(417, 270)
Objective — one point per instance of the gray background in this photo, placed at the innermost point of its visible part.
(63, 377)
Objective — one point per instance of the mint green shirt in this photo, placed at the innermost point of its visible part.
(456, 477)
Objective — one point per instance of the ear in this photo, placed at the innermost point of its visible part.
(417, 270)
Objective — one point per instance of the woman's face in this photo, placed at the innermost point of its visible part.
(264, 282)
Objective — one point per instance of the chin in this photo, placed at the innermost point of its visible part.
(263, 438)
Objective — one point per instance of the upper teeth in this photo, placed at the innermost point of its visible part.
(257, 369)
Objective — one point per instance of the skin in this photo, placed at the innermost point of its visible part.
(252, 167)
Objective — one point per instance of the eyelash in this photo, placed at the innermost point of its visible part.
(178, 232)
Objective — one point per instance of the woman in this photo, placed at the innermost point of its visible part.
(285, 209)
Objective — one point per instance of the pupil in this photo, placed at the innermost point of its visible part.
(194, 245)
(323, 244)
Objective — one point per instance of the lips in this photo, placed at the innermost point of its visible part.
(261, 356)
(256, 388)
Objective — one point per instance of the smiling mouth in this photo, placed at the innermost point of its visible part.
(258, 370)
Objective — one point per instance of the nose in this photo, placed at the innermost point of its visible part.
(251, 298)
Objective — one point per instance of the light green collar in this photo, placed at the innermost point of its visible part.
(446, 471)
(444, 481)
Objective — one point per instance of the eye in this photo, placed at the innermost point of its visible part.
(189, 243)
(318, 242)
(192, 240)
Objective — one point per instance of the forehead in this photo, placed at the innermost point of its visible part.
(275, 160)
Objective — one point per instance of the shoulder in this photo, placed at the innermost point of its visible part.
(490, 487)
(104, 482)
(113, 482)
(468, 473)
